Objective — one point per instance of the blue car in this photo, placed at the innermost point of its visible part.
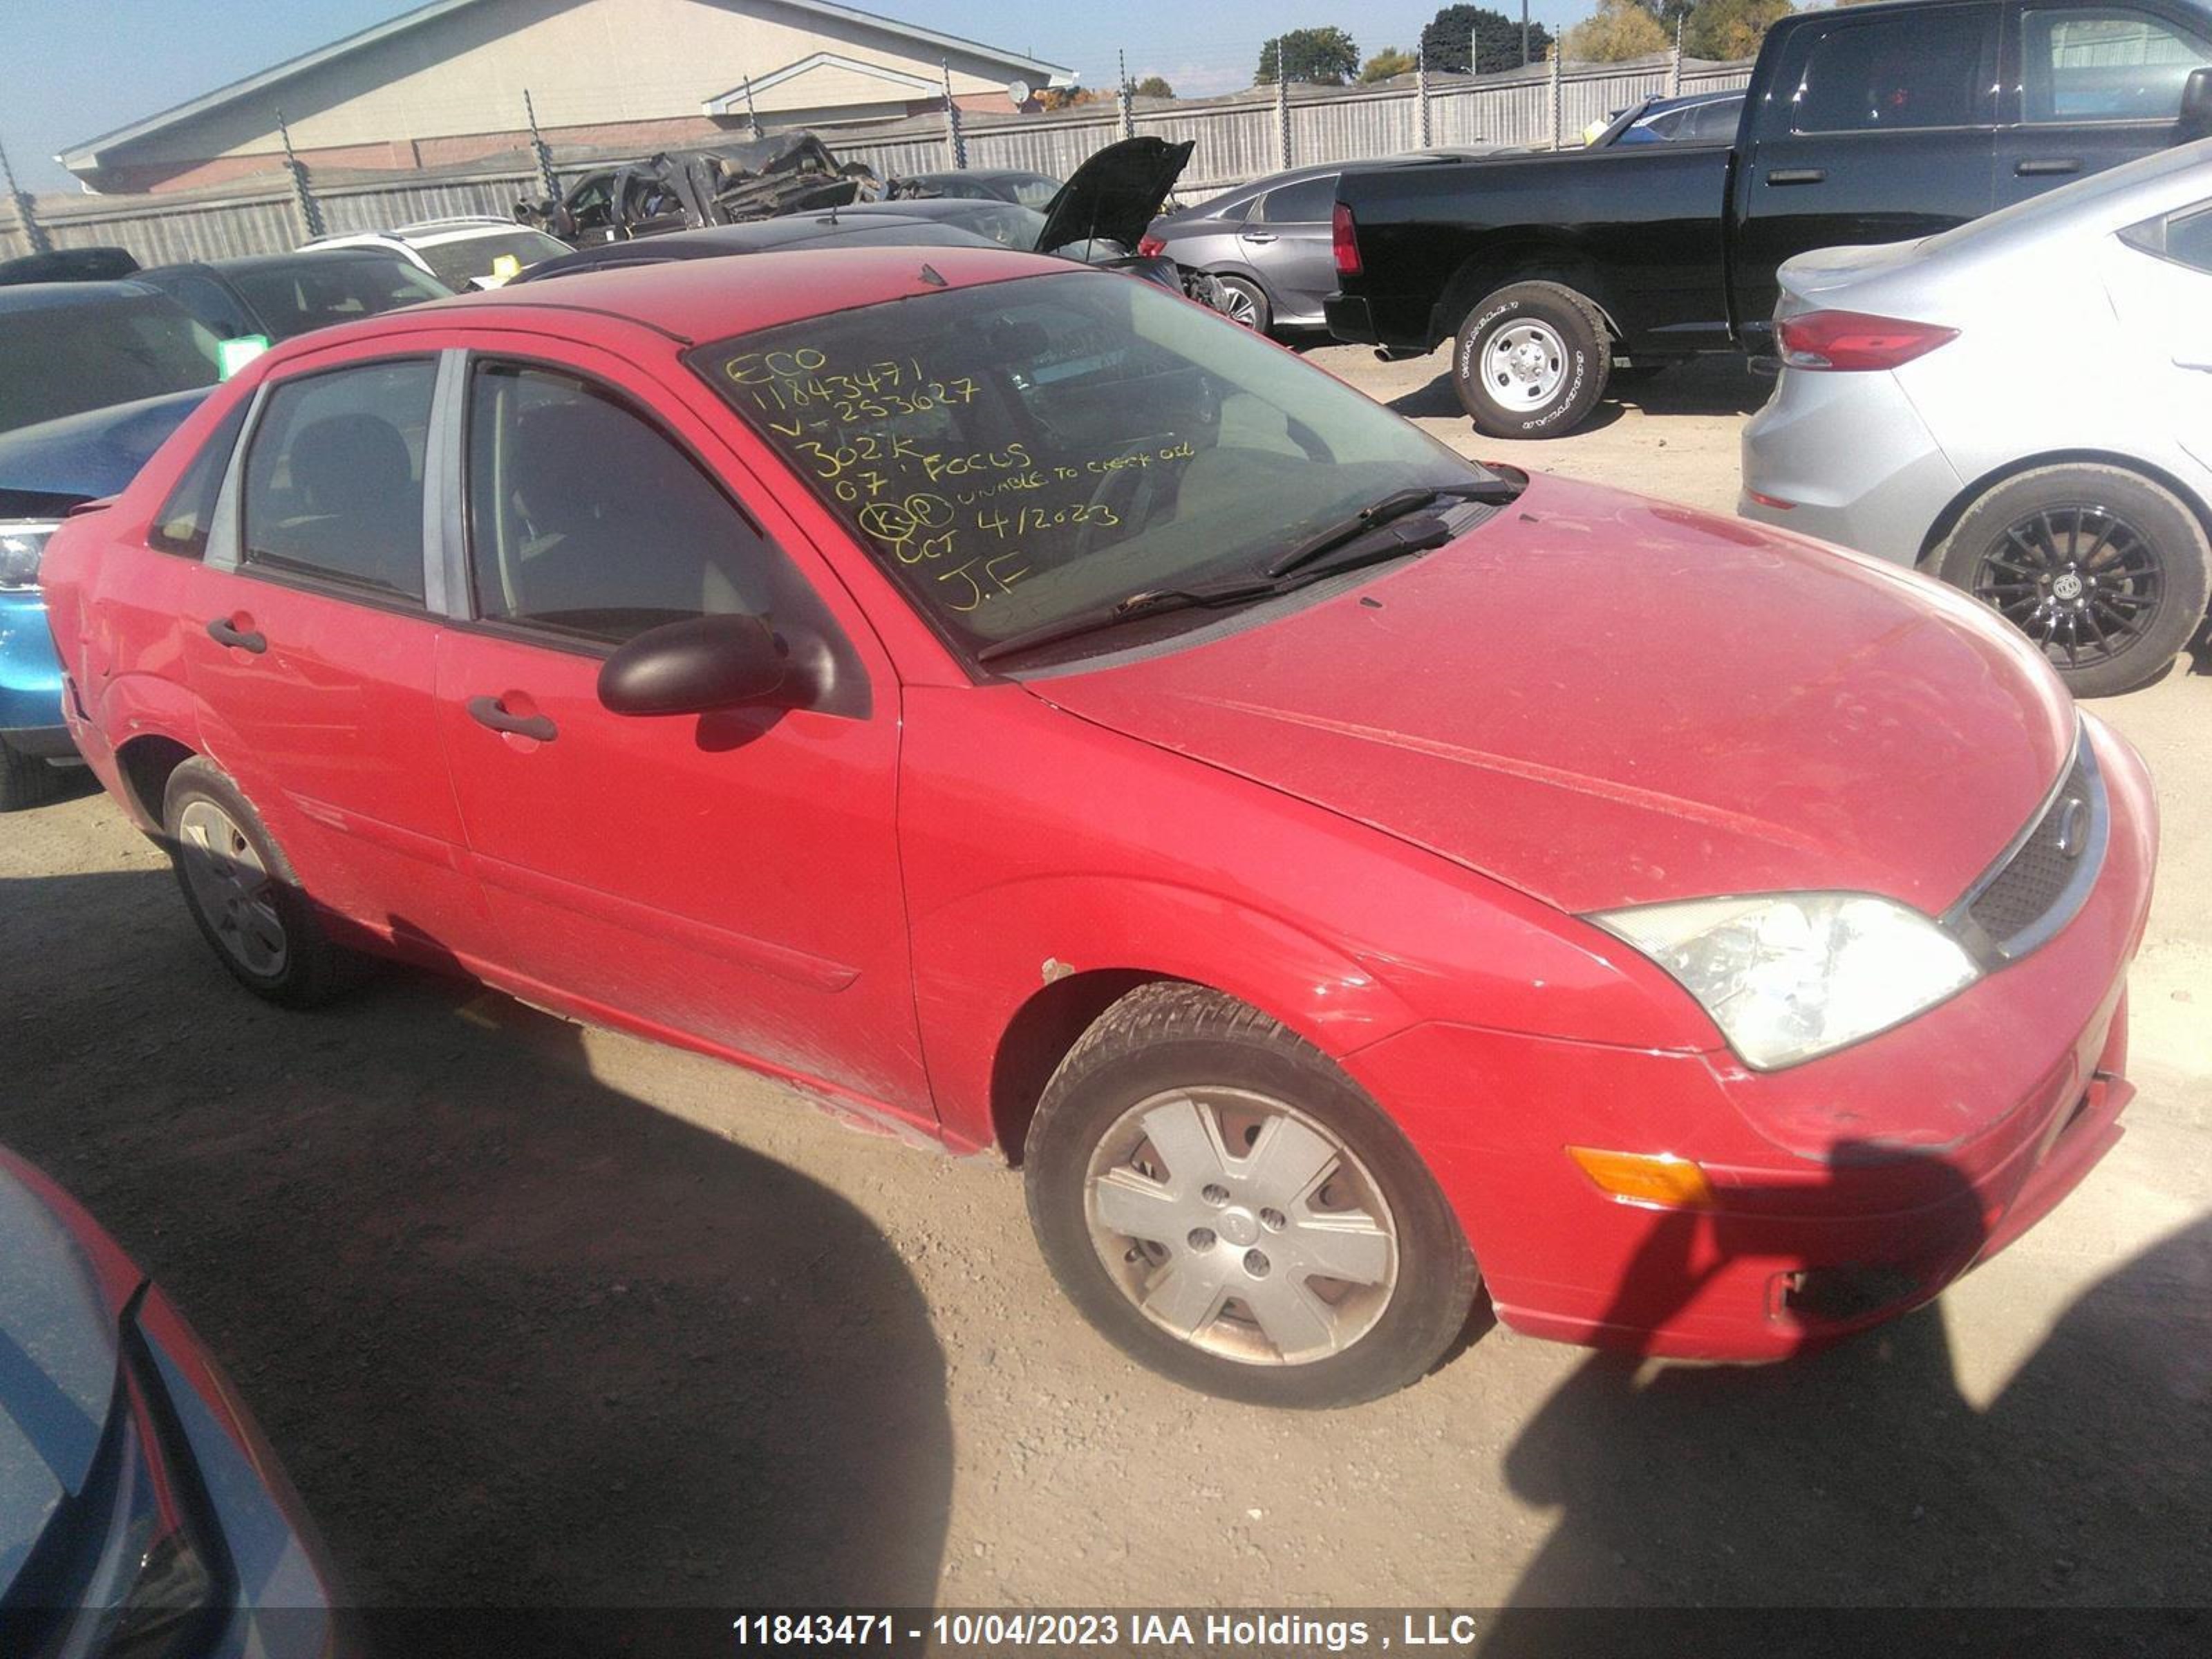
(99, 374)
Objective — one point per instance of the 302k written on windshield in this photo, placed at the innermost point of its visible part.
(1012, 454)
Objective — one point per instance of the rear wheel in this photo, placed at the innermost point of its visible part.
(241, 890)
(1531, 360)
(1230, 1209)
(1245, 301)
(2102, 568)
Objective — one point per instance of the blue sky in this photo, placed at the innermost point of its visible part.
(82, 70)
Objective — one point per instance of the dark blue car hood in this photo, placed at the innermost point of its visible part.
(81, 458)
(58, 1351)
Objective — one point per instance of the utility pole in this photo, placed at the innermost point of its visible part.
(311, 212)
(34, 232)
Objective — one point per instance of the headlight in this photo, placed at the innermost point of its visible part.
(1789, 975)
(21, 542)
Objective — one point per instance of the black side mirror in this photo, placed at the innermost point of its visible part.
(694, 666)
(2196, 107)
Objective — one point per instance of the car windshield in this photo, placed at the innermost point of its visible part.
(321, 288)
(1004, 224)
(1034, 190)
(64, 359)
(1018, 453)
(455, 262)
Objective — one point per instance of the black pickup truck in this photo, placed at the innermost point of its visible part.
(1554, 273)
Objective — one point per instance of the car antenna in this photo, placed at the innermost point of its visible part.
(929, 275)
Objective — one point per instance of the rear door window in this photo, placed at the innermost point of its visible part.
(334, 478)
(1309, 202)
(2104, 63)
(1922, 69)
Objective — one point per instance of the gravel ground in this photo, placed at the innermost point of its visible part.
(542, 1315)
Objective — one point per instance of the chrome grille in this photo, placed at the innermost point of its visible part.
(2034, 890)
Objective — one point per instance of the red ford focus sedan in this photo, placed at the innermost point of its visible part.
(1027, 711)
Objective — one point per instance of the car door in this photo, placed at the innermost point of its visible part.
(729, 879)
(1879, 127)
(2158, 275)
(1286, 238)
(2087, 87)
(308, 637)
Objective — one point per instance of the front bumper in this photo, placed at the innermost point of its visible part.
(30, 678)
(1992, 1107)
(1853, 455)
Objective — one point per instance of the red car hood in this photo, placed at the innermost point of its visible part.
(1603, 700)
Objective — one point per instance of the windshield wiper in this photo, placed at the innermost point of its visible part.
(1374, 544)
(1395, 505)
(1143, 603)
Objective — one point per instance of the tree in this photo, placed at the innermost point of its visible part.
(1391, 60)
(1496, 38)
(1621, 29)
(1152, 86)
(1326, 57)
(1723, 30)
(1058, 98)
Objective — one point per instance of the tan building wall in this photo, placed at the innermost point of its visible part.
(453, 87)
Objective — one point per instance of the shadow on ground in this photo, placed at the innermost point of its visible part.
(1704, 385)
(1861, 1478)
(522, 1341)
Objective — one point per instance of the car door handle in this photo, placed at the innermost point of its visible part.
(491, 711)
(1798, 176)
(1259, 236)
(223, 631)
(2041, 165)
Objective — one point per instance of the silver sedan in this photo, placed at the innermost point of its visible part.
(2021, 406)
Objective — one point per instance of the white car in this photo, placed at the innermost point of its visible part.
(2021, 406)
(461, 252)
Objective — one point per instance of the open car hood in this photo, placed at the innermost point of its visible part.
(1115, 195)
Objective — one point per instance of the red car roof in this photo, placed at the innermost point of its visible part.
(703, 299)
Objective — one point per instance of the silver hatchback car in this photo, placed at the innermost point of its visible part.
(2021, 406)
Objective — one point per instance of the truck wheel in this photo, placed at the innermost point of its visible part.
(2102, 568)
(1231, 1209)
(241, 890)
(1531, 360)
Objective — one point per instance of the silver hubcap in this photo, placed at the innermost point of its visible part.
(231, 887)
(1524, 364)
(1239, 306)
(1241, 1225)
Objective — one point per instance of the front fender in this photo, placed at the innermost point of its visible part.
(977, 963)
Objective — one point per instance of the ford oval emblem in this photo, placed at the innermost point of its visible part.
(2073, 827)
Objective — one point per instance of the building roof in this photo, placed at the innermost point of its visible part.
(87, 153)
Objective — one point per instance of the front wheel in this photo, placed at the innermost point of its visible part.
(1231, 1209)
(2102, 568)
(1531, 360)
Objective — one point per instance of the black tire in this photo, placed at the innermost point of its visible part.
(1167, 1037)
(27, 780)
(312, 968)
(2104, 569)
(1561, 322)
(1243, 289)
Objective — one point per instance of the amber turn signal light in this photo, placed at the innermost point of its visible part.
(1646, 1177)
